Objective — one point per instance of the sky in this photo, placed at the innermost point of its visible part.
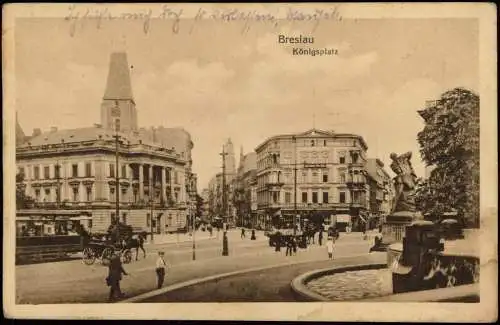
(219, 83)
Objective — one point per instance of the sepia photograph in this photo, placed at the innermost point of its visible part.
(201, 161)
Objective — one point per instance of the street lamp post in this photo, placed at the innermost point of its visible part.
(152, 205)
(194, 237)
(58, 177)
(225, 249)
(117, 176)
(295, 185)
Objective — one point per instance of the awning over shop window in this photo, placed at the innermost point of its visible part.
(344, 218)
(81, 218)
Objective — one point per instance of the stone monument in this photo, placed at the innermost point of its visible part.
(404, 183)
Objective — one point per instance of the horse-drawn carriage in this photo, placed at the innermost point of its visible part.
(283, 236)
(100, 247)
(119, 239)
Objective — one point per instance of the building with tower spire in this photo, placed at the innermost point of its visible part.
(76, 170)
(230, 158)
(118, 105)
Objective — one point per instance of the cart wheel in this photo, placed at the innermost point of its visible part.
(127, 256)
(106, 256)
(88, 256)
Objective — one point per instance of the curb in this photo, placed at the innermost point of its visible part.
(180, 285)
(300, 289)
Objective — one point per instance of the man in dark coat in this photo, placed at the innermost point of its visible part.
(320, 237)
(278, 241)
(115, 276)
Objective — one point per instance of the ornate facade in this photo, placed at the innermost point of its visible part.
(381, 188)
(331, 179)
(76, 169)
(245, 184)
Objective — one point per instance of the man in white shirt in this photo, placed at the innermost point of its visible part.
(329, 247)
(161, 267)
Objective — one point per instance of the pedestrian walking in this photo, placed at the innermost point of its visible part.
(161, 268)
(242, 232)
(278, 242)
(289, 246)
(294, 245)
(329, 247)
(253, 235)
(114, 277)
(320, 237)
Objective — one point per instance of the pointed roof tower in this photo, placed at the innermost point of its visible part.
(118, 111)
(118, 85)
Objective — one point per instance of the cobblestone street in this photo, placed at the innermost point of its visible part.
(74, 282)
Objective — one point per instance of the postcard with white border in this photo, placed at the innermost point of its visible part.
(320, 161)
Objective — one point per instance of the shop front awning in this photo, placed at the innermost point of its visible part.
(81, 218)
(343, 218)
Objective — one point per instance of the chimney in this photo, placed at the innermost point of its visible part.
(37, 132)
(53, 129)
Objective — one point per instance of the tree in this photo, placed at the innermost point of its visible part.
(450, 142)
(22, 200)
(199, 206)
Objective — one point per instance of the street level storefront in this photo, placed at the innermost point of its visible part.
(340, 218)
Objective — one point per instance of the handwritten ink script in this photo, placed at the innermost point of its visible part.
(78, 18)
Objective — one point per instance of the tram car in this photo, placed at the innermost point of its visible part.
(48, 235)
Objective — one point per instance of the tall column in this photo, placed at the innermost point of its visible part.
(81, 192)
(130, 174)
(151, 185)
(172, 194)
(141, 182)
(163, 184)
(320, 195)
(309, 195)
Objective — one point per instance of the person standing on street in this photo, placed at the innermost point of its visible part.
(242, 232)
(329, 247)
(114, 277)
(320, 237)
(278, 240)
(289, 246)
(161, 267)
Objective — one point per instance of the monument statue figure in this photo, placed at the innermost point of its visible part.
(404, 182)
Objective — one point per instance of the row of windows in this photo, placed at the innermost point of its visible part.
(57, 169)
(312, 143)
(274, 159)
(88, 194)
(305, 197)
(88, 172)
(315, 177)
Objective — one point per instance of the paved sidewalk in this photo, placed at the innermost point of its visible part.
(160, 239)
(269, 285)
(93, 289)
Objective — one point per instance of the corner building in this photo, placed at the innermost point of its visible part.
(76, 169)
(331, 183)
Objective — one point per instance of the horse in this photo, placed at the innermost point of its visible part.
(124, 236)
(135, 241)
(309, 233)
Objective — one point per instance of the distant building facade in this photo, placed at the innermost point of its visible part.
(245, 183)
(76, 169)
(381, 189)
(216, 192)
(331, 181)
